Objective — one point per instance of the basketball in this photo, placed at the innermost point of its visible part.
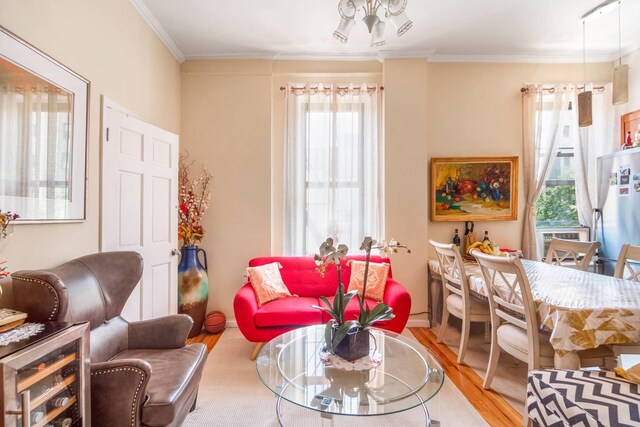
(215, 321)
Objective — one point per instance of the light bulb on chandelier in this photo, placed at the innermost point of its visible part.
(394, 11)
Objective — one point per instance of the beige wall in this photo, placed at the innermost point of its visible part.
(406, 150)
(108, 43)
(233, 120)
(476, 110)
(226, 124)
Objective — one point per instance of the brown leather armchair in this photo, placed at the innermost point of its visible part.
(142, 374)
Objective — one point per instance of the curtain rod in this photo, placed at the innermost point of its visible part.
(553, 89)
(338, 87)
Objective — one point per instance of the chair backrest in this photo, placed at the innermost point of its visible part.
(454, 275)
(628, 254)
(93, 289)
(571, 253)
(510, 296)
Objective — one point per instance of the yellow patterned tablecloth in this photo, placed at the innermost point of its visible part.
(581, 309)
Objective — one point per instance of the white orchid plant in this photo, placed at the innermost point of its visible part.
(367, 317)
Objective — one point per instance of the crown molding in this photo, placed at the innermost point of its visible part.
(406, 54)
(157, 28)
(356, 56)
(279, 56)
(232, 55)
(426, 54)
(299, 56)
(543, 58)
(525, 59)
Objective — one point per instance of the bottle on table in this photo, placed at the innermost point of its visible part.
(486, 238)
(456, 238)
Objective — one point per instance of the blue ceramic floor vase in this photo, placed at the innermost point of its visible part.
(193, 286)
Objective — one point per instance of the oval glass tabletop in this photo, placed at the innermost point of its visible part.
(406, 375)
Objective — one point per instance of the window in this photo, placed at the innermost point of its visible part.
(333, 169)
(557, 205)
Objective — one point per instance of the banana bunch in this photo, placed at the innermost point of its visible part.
(487, 248)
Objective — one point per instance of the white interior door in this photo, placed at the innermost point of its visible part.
(139, 212)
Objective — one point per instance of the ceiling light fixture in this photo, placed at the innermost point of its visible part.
(584, 98)
(620, 92)
(394, 11)
(601, 9)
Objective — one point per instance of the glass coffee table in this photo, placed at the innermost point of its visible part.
(399, 374)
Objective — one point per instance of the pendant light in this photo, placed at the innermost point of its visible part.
(584, 98)
(620, 93)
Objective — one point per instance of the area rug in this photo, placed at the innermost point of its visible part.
(232, 395)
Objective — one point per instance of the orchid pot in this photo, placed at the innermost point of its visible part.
(349, 338)
(353, 346)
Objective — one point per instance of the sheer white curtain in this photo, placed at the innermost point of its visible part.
(333, 166)
(540, 133)
(590, 143)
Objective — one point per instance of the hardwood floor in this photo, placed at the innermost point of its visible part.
(205, 337)
(493, 408)
(489, 404)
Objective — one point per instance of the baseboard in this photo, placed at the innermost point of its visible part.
(418, 323)
(412, 323)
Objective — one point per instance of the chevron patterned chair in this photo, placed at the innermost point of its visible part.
(581, 398)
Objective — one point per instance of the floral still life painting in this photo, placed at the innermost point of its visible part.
(474, 188)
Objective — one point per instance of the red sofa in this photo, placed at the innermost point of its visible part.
(261, 324)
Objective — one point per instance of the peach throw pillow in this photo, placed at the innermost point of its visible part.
(267, 283)
(376, 282)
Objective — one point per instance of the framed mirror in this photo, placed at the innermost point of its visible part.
(44, 115)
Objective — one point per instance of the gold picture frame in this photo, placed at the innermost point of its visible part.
(474, 189)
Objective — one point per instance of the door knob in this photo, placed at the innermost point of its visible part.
(175, 252)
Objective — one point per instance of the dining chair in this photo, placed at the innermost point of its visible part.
(514, 320)
(456, 298)
(628, 253)
(571, 253)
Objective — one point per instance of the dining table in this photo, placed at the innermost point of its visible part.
(580, 309)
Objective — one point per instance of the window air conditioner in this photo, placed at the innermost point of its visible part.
(568, 233)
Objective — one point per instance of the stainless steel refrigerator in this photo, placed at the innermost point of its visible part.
(618, 221)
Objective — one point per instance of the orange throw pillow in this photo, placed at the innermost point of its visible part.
(376, 281)
(267, 283)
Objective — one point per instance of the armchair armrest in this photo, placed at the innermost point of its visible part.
(395, 293)
(245, 307)
(397, 297)
(164, 332)
(118, 392)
